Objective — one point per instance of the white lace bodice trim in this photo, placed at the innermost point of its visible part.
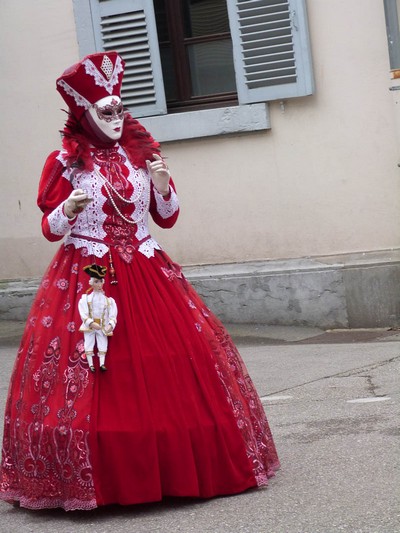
(166, 208)
(147, 248)
(143, 228)
(97, 249)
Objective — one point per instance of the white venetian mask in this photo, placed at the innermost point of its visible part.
(107, 115)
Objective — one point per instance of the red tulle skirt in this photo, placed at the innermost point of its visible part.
(175, 414)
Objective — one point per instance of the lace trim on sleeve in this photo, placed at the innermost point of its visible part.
(58, 221)
(166, 208)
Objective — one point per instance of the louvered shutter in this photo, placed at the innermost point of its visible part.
(271, 49)
(128, 26)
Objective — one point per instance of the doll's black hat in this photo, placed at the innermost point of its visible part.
(95, 271)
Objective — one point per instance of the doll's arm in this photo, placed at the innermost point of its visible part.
(83, 309)
(112, 314)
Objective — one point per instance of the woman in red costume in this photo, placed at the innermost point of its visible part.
(176, 414)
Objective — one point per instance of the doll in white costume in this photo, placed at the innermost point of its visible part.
(99, 316)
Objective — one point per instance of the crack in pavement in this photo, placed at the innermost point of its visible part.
(346, 373)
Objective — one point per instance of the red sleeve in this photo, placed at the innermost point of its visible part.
(164, 210)
(54, 189)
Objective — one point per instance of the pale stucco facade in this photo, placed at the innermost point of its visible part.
(323, 180)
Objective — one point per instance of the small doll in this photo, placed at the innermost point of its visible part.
(99, 316)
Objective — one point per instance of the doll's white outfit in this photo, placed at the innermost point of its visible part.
(97, 307)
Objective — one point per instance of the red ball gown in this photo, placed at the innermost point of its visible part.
(176, 413)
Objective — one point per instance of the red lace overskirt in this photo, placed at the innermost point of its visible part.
(176, 413)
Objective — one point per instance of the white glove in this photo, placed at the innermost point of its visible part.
(76, 202)
(159, 173)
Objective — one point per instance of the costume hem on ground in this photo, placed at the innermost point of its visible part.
(67, 505)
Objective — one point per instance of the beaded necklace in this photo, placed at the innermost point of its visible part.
(109, 188)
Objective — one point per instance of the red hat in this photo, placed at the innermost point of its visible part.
(90, 80)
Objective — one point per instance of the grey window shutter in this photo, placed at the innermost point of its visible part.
(271, 49)
(129, 27)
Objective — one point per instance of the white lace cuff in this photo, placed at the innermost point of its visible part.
(58, 221)
(166, 208)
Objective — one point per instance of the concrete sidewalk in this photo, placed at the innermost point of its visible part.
(263, 334)
(332, 400)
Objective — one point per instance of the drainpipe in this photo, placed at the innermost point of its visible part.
(393, 37)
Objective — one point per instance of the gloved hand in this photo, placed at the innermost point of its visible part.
(76, 202)
(159, 173)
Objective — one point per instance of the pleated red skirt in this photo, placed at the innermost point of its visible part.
(176, 413)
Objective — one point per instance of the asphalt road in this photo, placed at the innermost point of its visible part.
(340, 456)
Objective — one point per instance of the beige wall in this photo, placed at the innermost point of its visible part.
(37, 41)
(323, 180)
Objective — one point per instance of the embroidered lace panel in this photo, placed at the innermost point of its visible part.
(44, 465)
(246, 406)
(166, 208)
(99, 79)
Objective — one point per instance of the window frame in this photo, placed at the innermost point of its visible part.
(252, 113)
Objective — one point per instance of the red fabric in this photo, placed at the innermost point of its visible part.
(53, 190)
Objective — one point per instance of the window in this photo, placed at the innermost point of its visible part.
(196, 56)
(196, 53)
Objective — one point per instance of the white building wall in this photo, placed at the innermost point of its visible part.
(324, 180)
